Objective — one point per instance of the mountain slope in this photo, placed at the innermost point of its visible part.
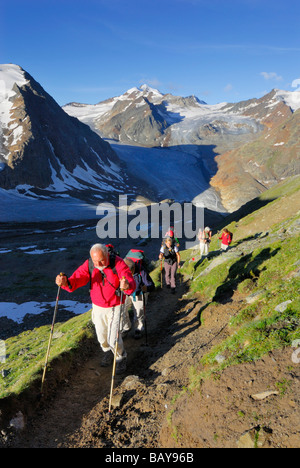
(46, 152)
(246, 172)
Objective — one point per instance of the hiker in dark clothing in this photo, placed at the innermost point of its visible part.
(144, 285)
(170, 253)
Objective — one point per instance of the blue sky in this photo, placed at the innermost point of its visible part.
(89, 50)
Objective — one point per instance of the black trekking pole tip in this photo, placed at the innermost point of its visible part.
(40, 396)
(145, 345)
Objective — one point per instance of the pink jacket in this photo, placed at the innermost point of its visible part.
(103, 290)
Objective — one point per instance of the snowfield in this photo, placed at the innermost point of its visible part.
(9, 76)
(17, 312)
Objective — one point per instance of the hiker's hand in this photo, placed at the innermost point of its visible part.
(124, 284)
(61, 280)
(144, 288)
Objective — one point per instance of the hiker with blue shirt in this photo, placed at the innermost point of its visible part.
(138, 299)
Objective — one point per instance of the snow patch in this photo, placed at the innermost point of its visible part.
(17, 312)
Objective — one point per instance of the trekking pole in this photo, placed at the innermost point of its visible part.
(51, 335)
(145, 318)
(115, 354)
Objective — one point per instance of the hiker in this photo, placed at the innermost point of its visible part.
(138, 299)
(226, 239)
(170, 233)
(204, 237)
(109, 275)
(170, 253)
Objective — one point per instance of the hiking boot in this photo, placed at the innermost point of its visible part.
(121, 365)
(125, 332)
(107, 359)
(173, 290)
(137, 334)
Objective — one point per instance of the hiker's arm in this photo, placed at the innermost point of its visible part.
(161, 253)
(148, 285)
(79, 278)
(178, 258)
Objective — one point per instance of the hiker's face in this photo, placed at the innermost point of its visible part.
(169, 244)
(100, 260)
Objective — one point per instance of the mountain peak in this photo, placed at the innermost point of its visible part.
(149, 89)
(290, 98)
(9, 75)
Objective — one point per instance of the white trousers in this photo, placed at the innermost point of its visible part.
(138, 311)
(106, 321)
(204, 246)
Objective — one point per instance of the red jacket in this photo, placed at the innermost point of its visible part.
(103, 290)
(225, 238)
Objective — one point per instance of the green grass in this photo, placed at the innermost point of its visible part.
(26, 352)
(257, 328)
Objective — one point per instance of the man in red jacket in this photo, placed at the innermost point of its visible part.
(109, 276)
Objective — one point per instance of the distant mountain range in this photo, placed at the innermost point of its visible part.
(243, 148)
(143, 143)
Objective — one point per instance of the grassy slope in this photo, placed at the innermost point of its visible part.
(262, 264)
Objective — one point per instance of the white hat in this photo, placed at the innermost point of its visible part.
(207, 229)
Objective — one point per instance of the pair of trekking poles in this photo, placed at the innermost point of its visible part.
(115, 344)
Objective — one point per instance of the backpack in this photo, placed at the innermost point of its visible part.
(170, 255)
(230, 237)
(138, 257)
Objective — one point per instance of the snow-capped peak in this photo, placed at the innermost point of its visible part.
(143, 90)
(291, 98)
(146, 88)
(9, 75)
